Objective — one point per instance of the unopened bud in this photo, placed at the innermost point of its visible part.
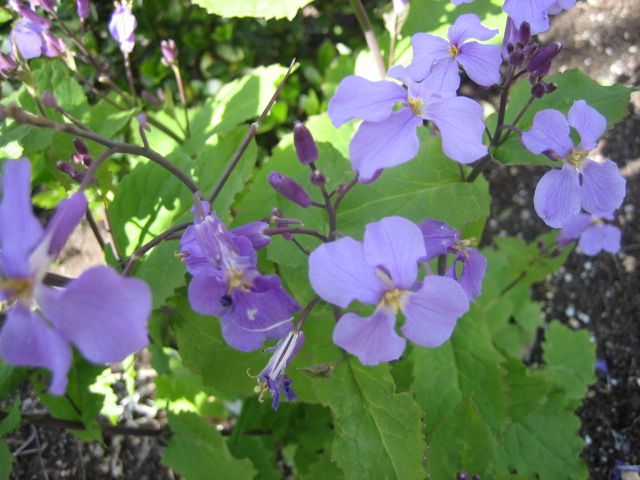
(516, 58)
(169, 52)
(82, 156)
(142, 120)
(538, 90)
(306, 148)
(49, 100)
(70, 170)
(289, 188)
(82, 6)
(318, 178)
(524, 33)
(550, 87)
(540, 62)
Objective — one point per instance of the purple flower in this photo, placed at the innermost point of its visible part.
(273, 377)
(593, 233)
(437, 59)
(31, 35)
(101, 313)
(382, 270)
(169, 52)
(597, 187)
(535, 12)
(388, 136)
(122, 27)
(441, 239)
(226, 283)
(82, 7)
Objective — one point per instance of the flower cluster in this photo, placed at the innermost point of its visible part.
(101, 313)
(31, 35)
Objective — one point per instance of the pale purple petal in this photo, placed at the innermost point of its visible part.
(603, 187)
(401, 73)
(550, 131)
(27, 38)
(468, 26)
(560, 5)
(64, 221)
(574, 228)
(474, 268)
(27, 340)
(357, 97)
(192, 256)
(122, 26)
(385, 144)
(20, 231)
(372, 339)
(396, 244)
(532, 11)
(591, 240)
(432, 311)
(443, 79)
(427, 49)
(558, 195)
(438, 237)
(589, 123)
(254, 232)
(103, 314)
(611, 242)
(459, 120)
(206, 292)
(481, 62)
(339, 273)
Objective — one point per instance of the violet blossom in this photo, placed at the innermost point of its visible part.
(83, 9)
(273, 377)
(592, 233)
(122, 27)
(382, 270)
(100, 313)
(438, 58)
(597, 187)
(441, 239)
(388, 136)
(31, 36)
(226, 283)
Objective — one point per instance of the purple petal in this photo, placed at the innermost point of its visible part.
(427, 49)
(396, 244)
(438, 237)
(589, 123)
(192, 256)
(481, 62)
(560, 5)
(574, 228)
(385, 144)
(64, 221)
(557, 196)
(468, 26)
(20, 231)
(27, 39)
(550, 131)
(372, 339)
(591, 240)
(122, 26)
(603, 187)
(206, 294)
(532, 11)
(357, 97)
(27, 340)
(611, 242)
(443, 79)
(103, 314)
(254, 232)
(460, 2)
(459, 120)
(432, 311)
(339, 273)
(474, 268)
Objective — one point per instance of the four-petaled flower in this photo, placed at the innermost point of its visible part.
(593, 233)
(436, 59)
(226, 283)
(103, 314)
(597, 187)
(392, 114)
(382, 270)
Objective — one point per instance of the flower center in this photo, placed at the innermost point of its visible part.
(575, 157)
(393, 298)
(235, 279)
(17, 288)
(454, 51)
(416, 105)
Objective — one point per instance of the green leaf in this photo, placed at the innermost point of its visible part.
(12, 421)
(6, 459)
(163, 272)
(54, 76)
(198, 451)
(610, 101)
(570, 357)
(378, 432)
(254, 8)
(10, 378)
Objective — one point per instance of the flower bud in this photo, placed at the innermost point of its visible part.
(306, 148)
(524, 33)
(82, 156)
(538, 90)
(142, 120)
(70, 170)
(540, 62)
(254, 232)
(82, 6)
(289, 188)
(169, 52)
(47, 5)
(462, 476)
(49, 100)
(122, 27)
(318, 178)
(550, 87)
(7, 64)
(516, 58)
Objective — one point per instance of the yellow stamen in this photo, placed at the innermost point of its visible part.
(454, 51)
(575, 157)
(416, 105)
(18, 288)
(393, 298)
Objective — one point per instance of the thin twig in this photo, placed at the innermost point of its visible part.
(295, 230)
(94, 228)
(369, 35)
(305, 313)
(90, 174)
(253, 130)
(21, 116)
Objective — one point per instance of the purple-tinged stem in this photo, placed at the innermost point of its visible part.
(305, 313)
(295, 230)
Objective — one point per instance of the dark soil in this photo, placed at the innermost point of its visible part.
(602, 37)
